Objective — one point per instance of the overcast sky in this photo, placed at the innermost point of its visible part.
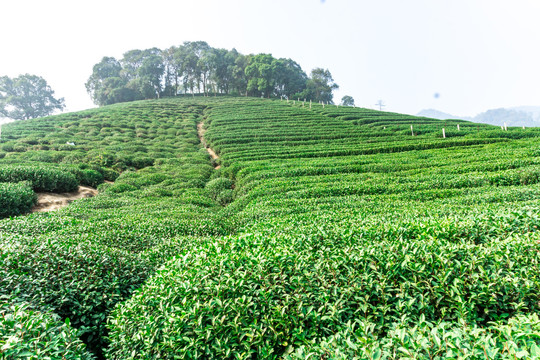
(476, 54)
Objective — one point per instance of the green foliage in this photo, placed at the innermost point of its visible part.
(42, 178)
(344, 234)
(347, 101)
(26, 97)
(196, 67)
(80, 281)
(320, 86)
(16, 198)
(516, 340)
(220, 190)
(30, 334)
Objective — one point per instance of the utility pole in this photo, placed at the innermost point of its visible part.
(380, 104)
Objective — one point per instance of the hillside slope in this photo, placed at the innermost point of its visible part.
(327, 232)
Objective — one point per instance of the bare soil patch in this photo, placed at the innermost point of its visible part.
(52, 201)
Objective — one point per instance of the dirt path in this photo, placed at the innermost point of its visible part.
(51, 201)
(200, 132)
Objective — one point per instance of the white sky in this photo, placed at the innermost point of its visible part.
(477, 54)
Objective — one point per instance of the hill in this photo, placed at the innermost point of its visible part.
(528, 116)
(326, 232)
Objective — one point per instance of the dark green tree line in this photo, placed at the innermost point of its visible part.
(197, 68)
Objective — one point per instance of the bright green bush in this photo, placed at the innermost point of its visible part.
(256, 294)
(220, 189)
(225, 197)
(16, 198)
(86, 177)
(35, 335)
(42, 178)
(81, 281)
(517, 339)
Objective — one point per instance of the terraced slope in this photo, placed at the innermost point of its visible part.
(326, 233)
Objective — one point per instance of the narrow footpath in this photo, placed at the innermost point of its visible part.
(200, 132)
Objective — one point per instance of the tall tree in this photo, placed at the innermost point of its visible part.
(172, 72)
(347, 101)
(320, 86)
(238, 71)
(290, 79)
(108, 85)
(260, 74)
(144, 70)
(26, 97)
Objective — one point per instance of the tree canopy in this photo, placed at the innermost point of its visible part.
(347, 100)
(319, 86)
(26, 97)
(197, 68)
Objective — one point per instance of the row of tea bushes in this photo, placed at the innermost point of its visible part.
(42, 178)
(82, 260)
(259, 294)
(16, 198)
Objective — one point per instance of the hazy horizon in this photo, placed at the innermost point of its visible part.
(461, 57)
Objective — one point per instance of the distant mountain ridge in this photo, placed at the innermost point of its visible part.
(528, 116)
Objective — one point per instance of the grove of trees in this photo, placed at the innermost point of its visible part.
(197, 68)
(26, 97)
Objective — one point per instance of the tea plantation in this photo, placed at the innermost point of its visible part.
(327, 233)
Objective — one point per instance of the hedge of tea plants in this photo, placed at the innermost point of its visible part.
(79, 262)
(41, 178)
(16, 198)
(332, 232)
(26, 333)
(344, 217)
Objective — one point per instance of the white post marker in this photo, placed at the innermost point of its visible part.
(443, 134)
(323, 105)
(502, 127)
(412, 132)
(523, 127)
(457, 127)
(505, 127)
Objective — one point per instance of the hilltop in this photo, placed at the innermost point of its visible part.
(316, 231)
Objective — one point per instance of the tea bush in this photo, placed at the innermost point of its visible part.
(35, 335)
(16, 198)
(41, 178)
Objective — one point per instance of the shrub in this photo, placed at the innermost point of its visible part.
(42, 178)
(217, 186)
(87, 177)
(35, 335)
(81, 281)
(517, 339)
(16, 198)
(225, 197)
